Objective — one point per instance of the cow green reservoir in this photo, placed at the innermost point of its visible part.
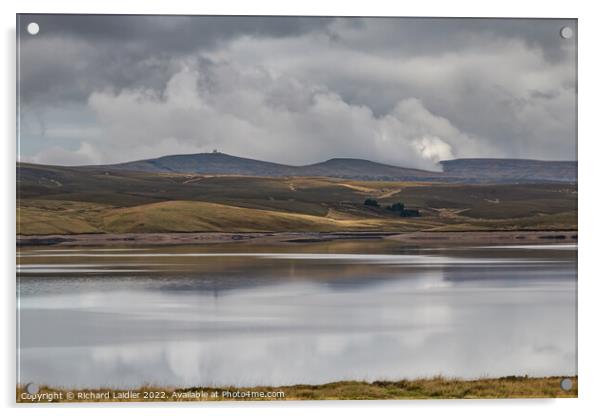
(242, 314)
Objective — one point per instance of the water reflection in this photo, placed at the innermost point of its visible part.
(278, 317)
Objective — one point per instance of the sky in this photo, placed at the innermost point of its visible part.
(296, 90)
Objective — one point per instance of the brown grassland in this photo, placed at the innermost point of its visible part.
(58, 200)
(429, 388)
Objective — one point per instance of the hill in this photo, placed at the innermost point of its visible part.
(224, 164)
(459, 170)
(72, 200)
(366, 170)
(208, 163)
(510, 170)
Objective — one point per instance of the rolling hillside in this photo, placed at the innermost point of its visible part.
(71, 200)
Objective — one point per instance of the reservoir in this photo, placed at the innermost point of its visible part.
(242, 314)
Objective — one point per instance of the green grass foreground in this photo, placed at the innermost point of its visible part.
(432, 388)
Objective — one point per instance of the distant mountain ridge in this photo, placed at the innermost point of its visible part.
(224, 164)
(458, 170)
(518, 170)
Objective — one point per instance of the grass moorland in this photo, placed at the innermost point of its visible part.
(431, 388)
(61, 200)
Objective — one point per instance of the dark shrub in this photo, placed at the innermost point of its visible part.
(397, 207)
(371, 202)
(410, 213)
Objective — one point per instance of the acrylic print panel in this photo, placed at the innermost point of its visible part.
(290, 208)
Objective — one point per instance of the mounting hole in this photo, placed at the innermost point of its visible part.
(566, 384)
(32, 388)
(33, 28)
(566, 32)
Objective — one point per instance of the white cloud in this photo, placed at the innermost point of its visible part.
(86, 154)
(433, 148)
(407, 92)
(248, 112)
(483, 84)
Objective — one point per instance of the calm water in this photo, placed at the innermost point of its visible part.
(307, 313)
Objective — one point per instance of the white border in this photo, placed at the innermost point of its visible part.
(590, 158)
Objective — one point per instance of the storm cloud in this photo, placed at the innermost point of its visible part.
(411, 92)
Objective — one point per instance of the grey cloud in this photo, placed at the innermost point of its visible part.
(428, 36)
(485, 88)
(129, 51)
(75, 54)
(406, 91)
(169, 33)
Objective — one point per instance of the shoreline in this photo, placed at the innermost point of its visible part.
(426, 388)
(413, 238)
